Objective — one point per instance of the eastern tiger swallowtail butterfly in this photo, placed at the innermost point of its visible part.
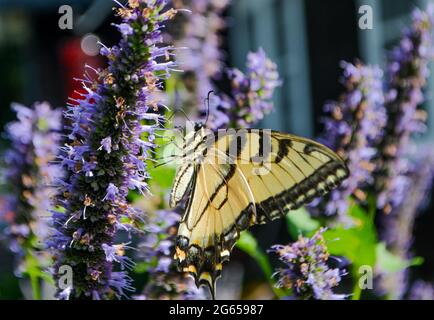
(234, 179)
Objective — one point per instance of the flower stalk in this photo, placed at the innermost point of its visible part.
(250, 96)
(406, 77)
(110, 137)
(353, 127)
(165, 281)
(30, 174)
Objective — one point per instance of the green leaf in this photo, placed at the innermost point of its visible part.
(389, 262)
(357, 243)
(249, 245)
(300, 222)
(141, 267)
(34, 273)
(47, 277)
(162, 176)
(342, 242)
(416, 261)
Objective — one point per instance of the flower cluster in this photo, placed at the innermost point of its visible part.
(399, 224)
(30, 174)
(110, 135)
(199, 41)
(250, 97)
(354, 126)
(407, 75)
(422, 290)
(401, 183)
(157, 250)
(306, 272)
(250, 94)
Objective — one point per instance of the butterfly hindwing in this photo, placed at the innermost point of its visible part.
(232, 189)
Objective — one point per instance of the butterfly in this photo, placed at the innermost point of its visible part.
(233, 179)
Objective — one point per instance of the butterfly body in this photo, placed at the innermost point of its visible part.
(233, 179)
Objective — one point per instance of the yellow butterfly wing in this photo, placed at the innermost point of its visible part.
(231, 191)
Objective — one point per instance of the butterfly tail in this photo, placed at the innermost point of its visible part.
(212, 288)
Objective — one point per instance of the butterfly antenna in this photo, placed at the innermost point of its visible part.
(171, 116)
(176, 111)
(161, 164)
(207, 107)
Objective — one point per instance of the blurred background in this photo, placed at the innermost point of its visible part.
(306, 38)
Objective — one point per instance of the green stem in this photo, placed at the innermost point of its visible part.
(171, 87)
(34, 273)
(36, 287)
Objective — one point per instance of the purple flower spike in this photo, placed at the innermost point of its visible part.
(406, 76)
(353, 127)
(399, 224)
(157, 250)
(251, 94)
(30, 175)
(200, 42)
(110, 134)
(306, 272)
(401, 183)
